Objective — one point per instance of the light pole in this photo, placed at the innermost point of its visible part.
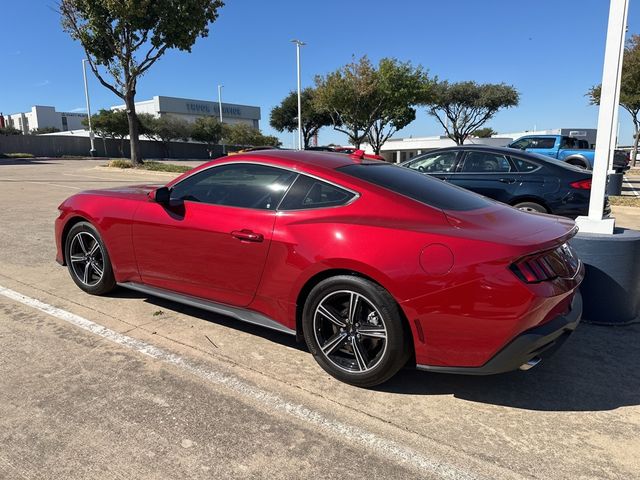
(92, 152)
(298, 45)
(220, 101)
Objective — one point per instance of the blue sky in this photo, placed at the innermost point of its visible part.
(551, 51)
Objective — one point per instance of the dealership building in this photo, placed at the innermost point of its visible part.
(189, 110)
(44, 117)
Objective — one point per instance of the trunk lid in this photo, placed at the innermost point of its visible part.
(504, 224)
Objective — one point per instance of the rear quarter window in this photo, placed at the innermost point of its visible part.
(417, 186)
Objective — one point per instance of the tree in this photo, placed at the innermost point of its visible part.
(462, 108)
(207, 130)
(43, 130)
(400, 86)
(110, 124)
(486, 132)
(165, 129)
(285, 116)
(629, 89)
(350, 96)
(9, 130)
(123, 39)
(245, 135)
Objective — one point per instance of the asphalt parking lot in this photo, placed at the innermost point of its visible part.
(130, 386)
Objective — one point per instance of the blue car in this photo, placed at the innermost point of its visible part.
(567, 149)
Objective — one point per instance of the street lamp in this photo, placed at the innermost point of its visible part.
(92, 152)
(298, 45)
(220, 101)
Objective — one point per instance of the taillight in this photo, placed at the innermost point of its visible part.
(540, 267)
(581, 184)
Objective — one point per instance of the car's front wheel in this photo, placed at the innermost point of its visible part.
(354, 330)
(88, 260)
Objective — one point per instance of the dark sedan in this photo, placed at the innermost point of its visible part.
(527, 181)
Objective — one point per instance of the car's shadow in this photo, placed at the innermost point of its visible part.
(26, 161)
(266, 333)
(598, 368)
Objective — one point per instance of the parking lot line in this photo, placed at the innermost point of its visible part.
(349, 433)
(632, 189)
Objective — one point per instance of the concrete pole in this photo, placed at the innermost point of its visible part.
(220, 101)
(92, 152)
(607, 119)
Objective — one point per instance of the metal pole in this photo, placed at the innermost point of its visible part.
(300, 141)
(607, 118)
(92, 152)
(220, 101)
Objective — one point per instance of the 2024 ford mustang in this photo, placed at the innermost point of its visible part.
(373, 265)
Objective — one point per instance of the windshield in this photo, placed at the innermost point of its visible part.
(422, 188)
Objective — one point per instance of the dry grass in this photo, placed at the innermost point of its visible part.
(625, 201)
(149, 165)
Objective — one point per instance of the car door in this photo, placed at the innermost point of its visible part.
(439, 163)
(544, 146)
(213, 240)
(488, 173)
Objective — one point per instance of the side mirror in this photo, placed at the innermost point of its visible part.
(160, 195)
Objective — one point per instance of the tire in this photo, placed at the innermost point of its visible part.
(363, 348)
(531, 207)
(577, 163)
(88, 260)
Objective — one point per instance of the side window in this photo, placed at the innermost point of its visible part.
(243, 185)
(542, 142)
(568, 142)
(524, 165)
(522, 144)
(434, 162)
(307, 192)
(481, 162)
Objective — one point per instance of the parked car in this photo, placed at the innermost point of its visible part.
(530, 182)
(567, 149)
(373, 265)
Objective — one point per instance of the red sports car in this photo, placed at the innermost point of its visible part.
(373, 265)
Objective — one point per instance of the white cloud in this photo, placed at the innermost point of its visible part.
(44, 83)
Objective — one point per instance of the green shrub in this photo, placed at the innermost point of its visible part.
(120, 163)
(16, 155)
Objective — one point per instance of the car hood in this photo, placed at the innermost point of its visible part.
(502, 223)
(125, 191)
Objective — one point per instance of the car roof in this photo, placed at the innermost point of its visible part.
(536, 157)
(312, 162)
(319, 159)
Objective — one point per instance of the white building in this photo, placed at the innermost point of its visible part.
(45, 117)
(398, 150)
(189, 110)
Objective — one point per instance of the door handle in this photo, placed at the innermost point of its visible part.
(508, 180)
(247, 235)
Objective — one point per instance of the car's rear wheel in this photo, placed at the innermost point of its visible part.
(531, 207)
(88, 260)
(354, 330)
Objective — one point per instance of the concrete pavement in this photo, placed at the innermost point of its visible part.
(74, 404)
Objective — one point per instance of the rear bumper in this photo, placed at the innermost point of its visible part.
(536, 342)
